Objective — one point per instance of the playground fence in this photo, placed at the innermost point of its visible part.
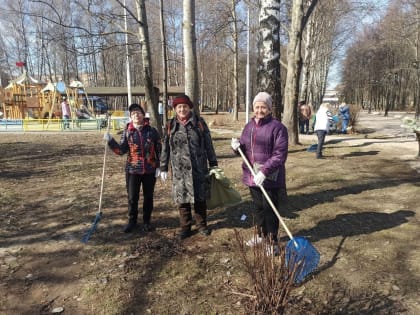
(28, 125)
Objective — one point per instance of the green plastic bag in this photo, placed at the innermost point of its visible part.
(221, 191)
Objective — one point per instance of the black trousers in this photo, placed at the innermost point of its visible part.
(133, 184)
(266, 220)
(321, 139)
(304, 124)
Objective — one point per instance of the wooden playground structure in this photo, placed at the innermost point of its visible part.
(28, 98)
(27, 104)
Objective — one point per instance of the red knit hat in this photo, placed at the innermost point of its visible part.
(182, 99)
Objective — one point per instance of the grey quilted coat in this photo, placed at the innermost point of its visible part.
(190, 150)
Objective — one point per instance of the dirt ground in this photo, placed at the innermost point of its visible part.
(359, 207)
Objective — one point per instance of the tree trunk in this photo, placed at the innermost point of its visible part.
(235, 64)
(418, 141)
(190, 54)
(268, 75)
(164, 66)
(150, 93)
(306, 66)
(294, 67)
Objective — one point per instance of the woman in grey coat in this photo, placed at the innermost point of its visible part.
(188, 146)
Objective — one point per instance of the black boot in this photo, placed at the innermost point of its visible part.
(184, 234)
(130, 226)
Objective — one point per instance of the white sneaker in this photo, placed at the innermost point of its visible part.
(272, 250)
(254, 241)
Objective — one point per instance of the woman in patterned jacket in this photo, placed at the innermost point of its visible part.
(143, 146)
(188, 146)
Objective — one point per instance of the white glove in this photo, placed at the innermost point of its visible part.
(157, 173)
(107, 136)
(259, 178)
(164, 176)
(235, 144)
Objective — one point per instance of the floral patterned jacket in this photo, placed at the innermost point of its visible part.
(143, 147)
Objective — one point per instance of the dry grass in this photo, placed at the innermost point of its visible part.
(358, 207)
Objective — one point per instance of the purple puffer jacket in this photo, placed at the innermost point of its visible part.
(267, 144)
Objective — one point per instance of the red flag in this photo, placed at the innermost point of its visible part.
(20, 64)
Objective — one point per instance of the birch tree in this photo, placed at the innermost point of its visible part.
(268, 73)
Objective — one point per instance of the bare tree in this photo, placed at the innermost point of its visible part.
(235, 62)
(164, 63)
(150, 93)
(299, 19)
(381, 68)
(191, 69)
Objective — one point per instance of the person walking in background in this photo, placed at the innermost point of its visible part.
(323, 120)
(264, 141)
(188, 146)
(143, 145)
(305, 114)
(66, 113)
(344, 111)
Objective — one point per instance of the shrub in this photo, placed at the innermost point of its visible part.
(271, 280)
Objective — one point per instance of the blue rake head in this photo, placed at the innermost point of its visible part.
(312, 147)
(301, 256)
(92, 228)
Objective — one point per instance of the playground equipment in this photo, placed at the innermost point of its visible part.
(22, 97)
(26, 98)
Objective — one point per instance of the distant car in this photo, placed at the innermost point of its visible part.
(98, 104)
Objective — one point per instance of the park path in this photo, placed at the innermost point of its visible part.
(381, 133)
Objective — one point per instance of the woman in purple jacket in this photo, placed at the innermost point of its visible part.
(264, 141)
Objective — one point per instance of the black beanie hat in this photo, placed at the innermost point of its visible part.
(135, 106)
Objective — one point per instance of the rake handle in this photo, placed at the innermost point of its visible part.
(103, 166)
(99, 212)
(268, 198)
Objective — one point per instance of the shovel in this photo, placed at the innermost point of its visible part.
(98, 215)
(301, 256)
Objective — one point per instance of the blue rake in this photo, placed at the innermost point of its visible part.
(301, 255)
(98, 215)
(92, 229)
(312, 147)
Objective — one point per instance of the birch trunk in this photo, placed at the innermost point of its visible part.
(268, 74)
